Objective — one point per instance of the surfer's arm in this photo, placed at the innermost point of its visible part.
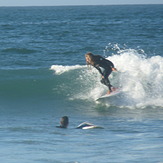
(99, 70)
(114, 69)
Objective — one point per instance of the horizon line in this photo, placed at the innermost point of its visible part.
(80, 5)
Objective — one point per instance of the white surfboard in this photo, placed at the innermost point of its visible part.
(114, 93)
(86, 125)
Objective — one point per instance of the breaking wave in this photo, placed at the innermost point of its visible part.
(139, 77)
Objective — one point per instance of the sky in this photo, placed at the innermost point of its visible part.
(74, 2)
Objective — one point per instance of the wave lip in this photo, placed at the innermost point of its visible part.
(60, 69)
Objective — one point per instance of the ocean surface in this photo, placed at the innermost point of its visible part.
(43, 76)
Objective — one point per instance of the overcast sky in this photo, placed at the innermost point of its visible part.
(74, 2)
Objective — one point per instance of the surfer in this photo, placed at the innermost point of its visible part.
(104, 66)
(85, 125)
(63, 122)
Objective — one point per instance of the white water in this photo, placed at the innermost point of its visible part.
(59, 69)
(140, 79)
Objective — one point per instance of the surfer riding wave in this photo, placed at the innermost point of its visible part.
(104, 66)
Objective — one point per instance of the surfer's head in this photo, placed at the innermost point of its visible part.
(64, 122)
(89, 57)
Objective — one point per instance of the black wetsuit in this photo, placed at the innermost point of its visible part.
(104, 67)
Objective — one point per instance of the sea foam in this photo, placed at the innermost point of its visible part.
(139, 77)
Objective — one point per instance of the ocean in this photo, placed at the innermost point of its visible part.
(44, 77)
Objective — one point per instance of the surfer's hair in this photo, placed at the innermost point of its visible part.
(90, 59)
(64, 122)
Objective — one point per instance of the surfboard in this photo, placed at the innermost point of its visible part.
(114, 93)
(86, 125)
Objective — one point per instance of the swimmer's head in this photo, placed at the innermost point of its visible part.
(64, 122)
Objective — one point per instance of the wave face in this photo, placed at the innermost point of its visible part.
(140, 79)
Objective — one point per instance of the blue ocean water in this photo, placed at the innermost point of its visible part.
(44, 77)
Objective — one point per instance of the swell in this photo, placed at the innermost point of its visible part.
(24, 83)
(139, 77)
(18, 51)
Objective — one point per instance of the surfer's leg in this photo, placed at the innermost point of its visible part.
(106, 77)
(108, 85)
(106, 82)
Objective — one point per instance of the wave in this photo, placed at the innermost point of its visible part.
(18, 51)
(139, 77)
(59, 69)
(25, 83)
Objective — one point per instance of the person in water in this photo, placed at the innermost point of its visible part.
(85, 125)
(104, 66)
(63, 122)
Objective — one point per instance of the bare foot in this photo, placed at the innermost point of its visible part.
(108, 92)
